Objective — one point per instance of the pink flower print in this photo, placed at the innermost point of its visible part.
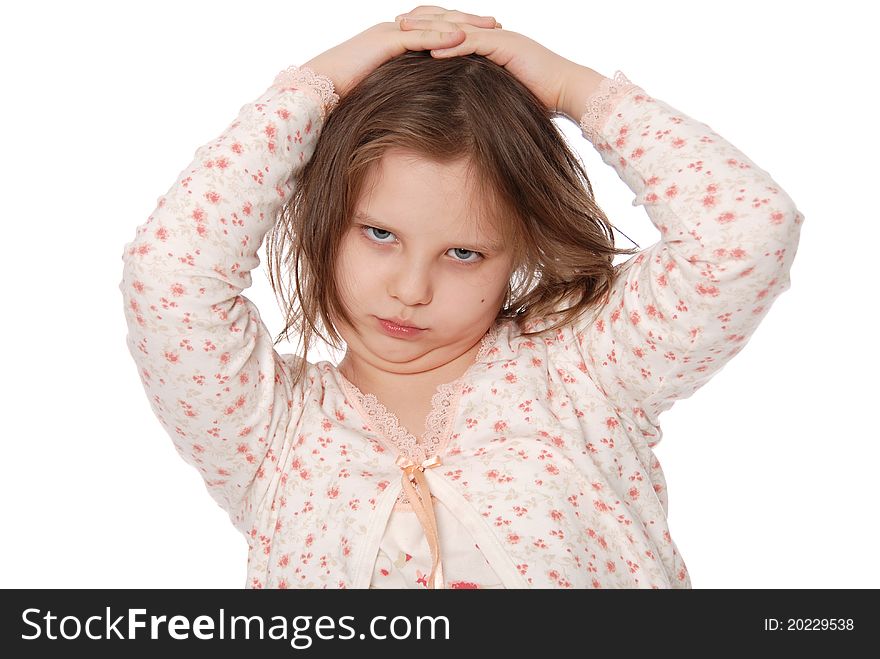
(500, 521)
(188, 409)
(494, 475)
(712, 291)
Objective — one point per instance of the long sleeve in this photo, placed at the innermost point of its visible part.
(682, 308)
(205, 358)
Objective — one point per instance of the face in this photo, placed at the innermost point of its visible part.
(413, 251)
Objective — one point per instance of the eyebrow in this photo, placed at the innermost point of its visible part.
(489, 246)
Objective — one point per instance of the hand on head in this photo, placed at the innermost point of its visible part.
(447, 33)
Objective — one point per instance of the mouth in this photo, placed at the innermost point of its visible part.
(399, 323)
(398, 331)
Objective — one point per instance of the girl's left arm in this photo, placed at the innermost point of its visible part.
(683, 307)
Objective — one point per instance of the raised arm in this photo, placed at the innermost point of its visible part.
(205, 358)
(682, 308)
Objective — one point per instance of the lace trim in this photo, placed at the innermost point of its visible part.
(443, 405)
(317, 85)
(602, 101)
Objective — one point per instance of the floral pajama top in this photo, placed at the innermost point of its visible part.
(546, 475)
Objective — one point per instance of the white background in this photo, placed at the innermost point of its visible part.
(772, 466)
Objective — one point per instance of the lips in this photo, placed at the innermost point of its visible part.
(399, 322)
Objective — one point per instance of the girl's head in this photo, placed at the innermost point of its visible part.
(440, 192)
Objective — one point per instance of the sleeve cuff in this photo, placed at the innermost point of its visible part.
(600, 104)
(316, 85)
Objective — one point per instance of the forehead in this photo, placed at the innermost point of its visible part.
(417, 195)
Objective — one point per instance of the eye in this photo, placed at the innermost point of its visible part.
(366, 229)
(459, 250)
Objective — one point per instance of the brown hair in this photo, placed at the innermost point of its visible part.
(444, 110)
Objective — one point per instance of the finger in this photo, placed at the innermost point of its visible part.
(427, 9)
(471, 44)
(429, 39)
(410, 23)
(451, 17)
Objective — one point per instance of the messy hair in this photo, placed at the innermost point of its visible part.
(533, 189)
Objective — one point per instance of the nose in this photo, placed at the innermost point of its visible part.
(411, 283)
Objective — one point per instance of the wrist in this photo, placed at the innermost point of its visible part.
(581, 83)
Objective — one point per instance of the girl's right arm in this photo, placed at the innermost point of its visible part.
(205, 358)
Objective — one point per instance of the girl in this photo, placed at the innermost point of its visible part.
(492, 422)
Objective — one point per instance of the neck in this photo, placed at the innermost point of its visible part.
(369, 378)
